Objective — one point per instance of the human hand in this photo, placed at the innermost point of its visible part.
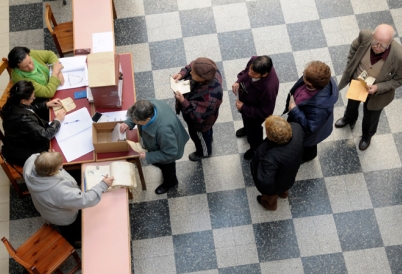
(108, 180)
(239, 104)
(179, 97)
(51, 150)
(291, 106)
(142, 155)
(235, 88)
(61, 78)
(60, 115)
(57, 67)
(53, 103)
(372, 89)
(177, 77)
(123, 127)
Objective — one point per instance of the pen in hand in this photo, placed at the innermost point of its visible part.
(71, 122)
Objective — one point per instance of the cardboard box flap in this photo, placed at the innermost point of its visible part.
(103, 69)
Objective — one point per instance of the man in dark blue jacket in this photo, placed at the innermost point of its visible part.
(311, 104)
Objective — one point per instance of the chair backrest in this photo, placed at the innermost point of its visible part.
(49, 18)
(4, 65)
(13, 253)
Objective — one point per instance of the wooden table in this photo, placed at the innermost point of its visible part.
(106, 233)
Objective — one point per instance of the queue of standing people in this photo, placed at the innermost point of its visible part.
(291, 140)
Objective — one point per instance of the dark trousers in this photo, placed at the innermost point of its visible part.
(370, 117)
(168, 172)
(253, 132)
(309, 153)
(202, 141)
(72, 232)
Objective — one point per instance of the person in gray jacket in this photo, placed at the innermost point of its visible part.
(380, 56)
(162, 134)
(56, 195)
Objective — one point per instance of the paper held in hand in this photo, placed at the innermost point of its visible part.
(136, 146)
(181, 86)
(67, 104)
(123, 173)
(357, 91)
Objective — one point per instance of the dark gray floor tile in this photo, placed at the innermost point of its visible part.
(191, 179)
(276, 241)
(197, 22)
(372, 19)
(159, 6)
(167, 54)
(223, 2)
(328, 264)
(241, 269)
(306, 35)
(329, 9)
(144, 85)
(49, 42)
(236, 44)
(394, 254)
(194, 251)
(21, 208)
(128, 31)
(338, 158)
(394, 4)
(309, 198)
(224, 139)
(245, 165)
(235, 113)
(15, 267)
(151, 219)
(229, 208)
(265, 13)
(339, 102)
(26, 17)
(398, 143)
(358, 230)
(339, 56)
(222, 71)
(285, 67)
(384, 187)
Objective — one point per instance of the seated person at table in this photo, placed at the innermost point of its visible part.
(25, 133)
(56, 194)
(162, 134)
(33, 65)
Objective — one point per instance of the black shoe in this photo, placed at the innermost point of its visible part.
(249, 154)
(342, 122)
(165, 187)
(195, 157)
(364, 143)
(241, 132)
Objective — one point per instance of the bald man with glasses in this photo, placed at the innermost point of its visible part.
(380, 56)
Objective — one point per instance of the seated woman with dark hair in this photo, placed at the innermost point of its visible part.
(25, 133)
(311, 104)
(33, 65)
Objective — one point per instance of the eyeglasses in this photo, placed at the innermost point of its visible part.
(376, 44)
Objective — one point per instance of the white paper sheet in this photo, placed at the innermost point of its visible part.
(102, 42)
(74, 123)
(75, 72)
(77, 145)
(115, 116)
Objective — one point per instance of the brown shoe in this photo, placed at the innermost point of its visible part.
(284, 195)
(269, 202)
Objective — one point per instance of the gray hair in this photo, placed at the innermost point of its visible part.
(141, 110)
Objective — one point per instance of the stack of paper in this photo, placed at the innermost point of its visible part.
(75, 72)
(75, 135)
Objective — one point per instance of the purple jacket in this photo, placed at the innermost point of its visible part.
(259, 100)
(200, 107)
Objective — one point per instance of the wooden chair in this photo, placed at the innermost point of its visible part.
(13, 172)
(43, 252)
(62, 33)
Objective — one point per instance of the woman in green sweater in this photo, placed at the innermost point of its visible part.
(33, 66)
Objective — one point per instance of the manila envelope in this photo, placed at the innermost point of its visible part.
(357, 91)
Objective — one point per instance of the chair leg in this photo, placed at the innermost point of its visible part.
(64, 2)
(59, 271)
(77, 260)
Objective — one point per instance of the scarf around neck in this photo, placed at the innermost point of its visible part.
(40, 74)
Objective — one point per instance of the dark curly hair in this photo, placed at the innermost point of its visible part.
(278, 129)
(16, 55)
(317, 74)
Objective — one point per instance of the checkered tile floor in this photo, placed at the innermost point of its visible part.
(344, 213)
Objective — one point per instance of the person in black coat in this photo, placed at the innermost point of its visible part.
(277, 160)
(24, 132)
(310, 103)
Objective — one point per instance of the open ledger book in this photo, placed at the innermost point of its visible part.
(123, 173)
(67, 104)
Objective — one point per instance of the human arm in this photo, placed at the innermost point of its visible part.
(167, 144)
(311, 118)
(266, 172)
(128, 124)
(39, 130)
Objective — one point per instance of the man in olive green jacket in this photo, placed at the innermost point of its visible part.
(162, 134)
(381, 56)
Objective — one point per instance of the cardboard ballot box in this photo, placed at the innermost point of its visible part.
(102, 138)
(105, 79)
